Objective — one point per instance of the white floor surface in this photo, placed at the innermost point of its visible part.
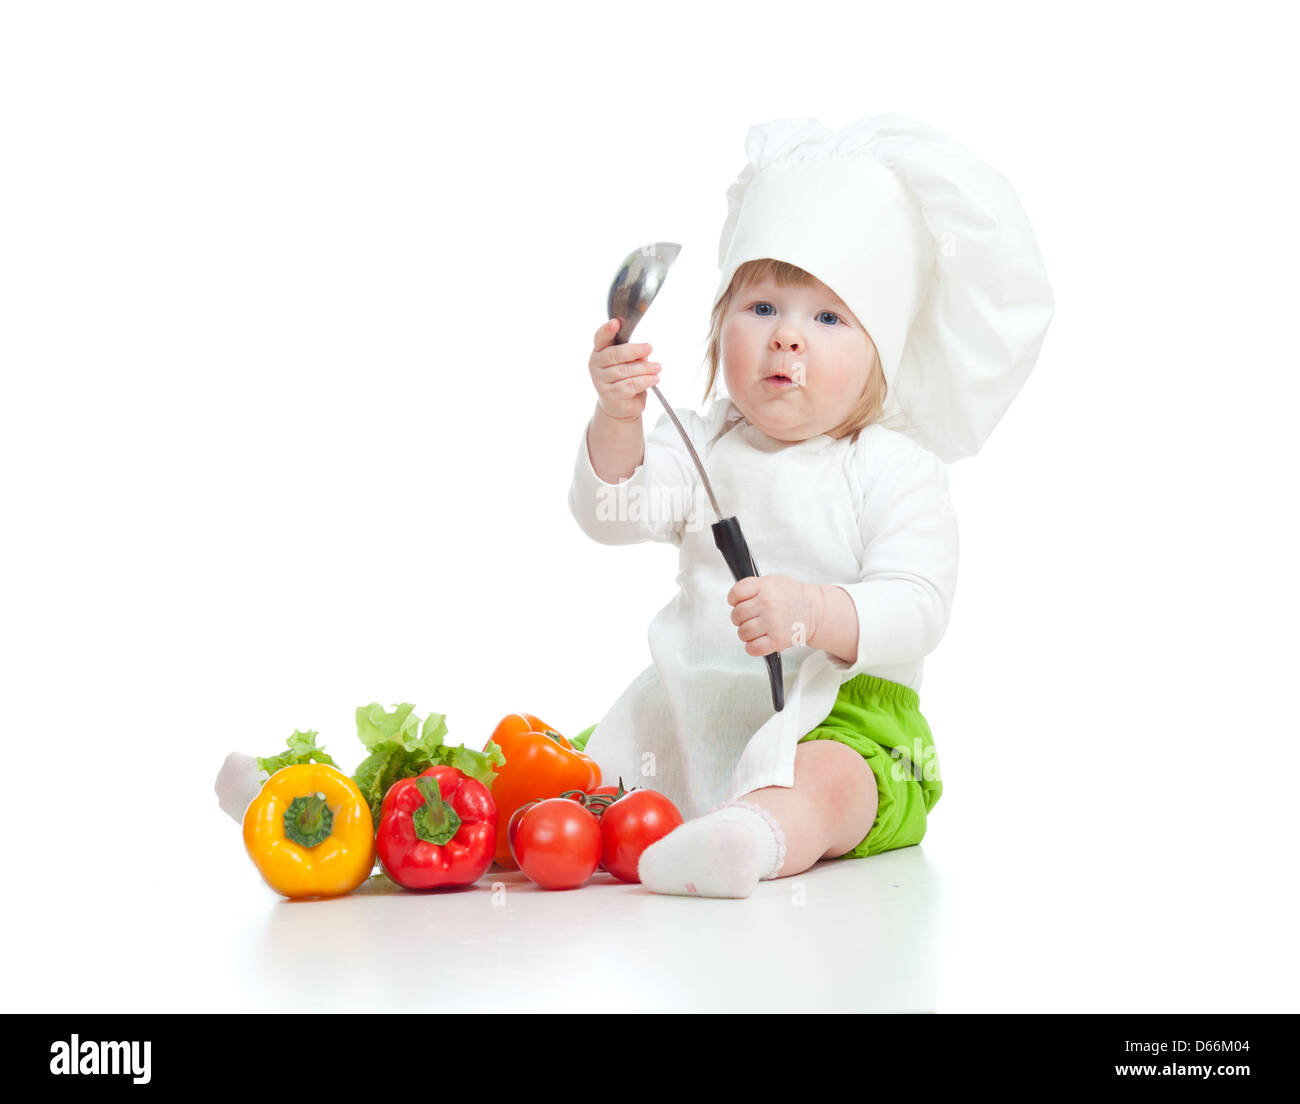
(953, 925)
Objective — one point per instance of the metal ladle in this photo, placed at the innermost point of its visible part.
(638, 281)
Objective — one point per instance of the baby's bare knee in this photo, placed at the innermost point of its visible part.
(842, 786)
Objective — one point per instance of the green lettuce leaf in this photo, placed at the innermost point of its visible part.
(302, 749)
(401, 746)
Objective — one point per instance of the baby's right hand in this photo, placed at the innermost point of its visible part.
(620, 374)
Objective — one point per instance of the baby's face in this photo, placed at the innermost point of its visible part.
(808, 335)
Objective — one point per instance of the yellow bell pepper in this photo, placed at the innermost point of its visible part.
(309, 832)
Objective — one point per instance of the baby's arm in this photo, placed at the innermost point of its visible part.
(898, 610)
(615, 446)
(837, 623)
(629, 487)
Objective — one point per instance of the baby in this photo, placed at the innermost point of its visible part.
(801, 370)
(838, 286)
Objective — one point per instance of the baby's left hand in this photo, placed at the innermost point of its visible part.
(774, 611)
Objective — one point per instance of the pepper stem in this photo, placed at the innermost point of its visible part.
(435, 821)
(308, 820)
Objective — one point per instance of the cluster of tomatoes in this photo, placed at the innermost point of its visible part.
(560, 842)
(556, 822)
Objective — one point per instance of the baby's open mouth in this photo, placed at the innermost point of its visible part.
(780, 379)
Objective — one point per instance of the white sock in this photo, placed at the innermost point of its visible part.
(725, 853)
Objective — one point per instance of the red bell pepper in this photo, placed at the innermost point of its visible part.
(437, 829)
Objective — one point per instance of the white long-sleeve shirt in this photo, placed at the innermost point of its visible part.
(873, 516)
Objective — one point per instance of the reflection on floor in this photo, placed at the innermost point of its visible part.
(846, 936)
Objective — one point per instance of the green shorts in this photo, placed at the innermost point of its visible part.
(882, 722)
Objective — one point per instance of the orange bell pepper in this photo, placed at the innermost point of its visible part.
(540, 763)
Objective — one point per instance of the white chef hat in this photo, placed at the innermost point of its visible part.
(926, 244)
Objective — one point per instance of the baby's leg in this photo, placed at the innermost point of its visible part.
(827, 812)
(829, 809)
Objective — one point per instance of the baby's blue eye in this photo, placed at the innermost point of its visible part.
(757, 308)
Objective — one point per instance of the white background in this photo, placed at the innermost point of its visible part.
(296, 302)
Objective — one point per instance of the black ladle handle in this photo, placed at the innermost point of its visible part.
(731, 543)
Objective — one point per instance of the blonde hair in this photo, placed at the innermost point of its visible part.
(871, 402)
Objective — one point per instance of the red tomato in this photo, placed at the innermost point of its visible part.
(630, 825)
(557, 843)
